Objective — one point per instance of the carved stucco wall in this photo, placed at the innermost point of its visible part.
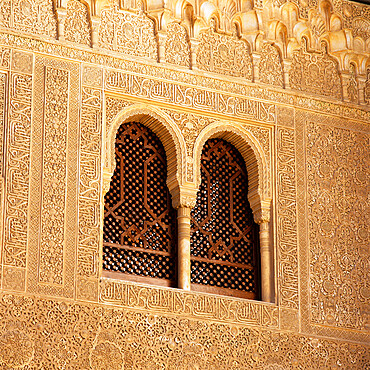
(58, 102)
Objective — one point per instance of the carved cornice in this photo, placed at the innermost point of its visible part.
(191, 78)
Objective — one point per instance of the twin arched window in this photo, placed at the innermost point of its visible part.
(140, 224)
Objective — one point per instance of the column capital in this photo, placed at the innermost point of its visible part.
(183, 196)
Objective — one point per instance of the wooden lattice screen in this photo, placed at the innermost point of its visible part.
(224, 237)
(139, 221)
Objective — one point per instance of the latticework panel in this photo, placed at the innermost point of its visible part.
(224, 237)
(139, 221)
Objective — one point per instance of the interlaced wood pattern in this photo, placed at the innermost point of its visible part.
(139, 221)
(224, 236)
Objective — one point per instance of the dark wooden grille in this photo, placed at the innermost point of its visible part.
(139, 221)
(224, 237)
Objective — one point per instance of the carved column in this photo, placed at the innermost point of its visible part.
(267, 280)
(183, 199)
(183, 252)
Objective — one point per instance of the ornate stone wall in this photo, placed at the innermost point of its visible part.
(71, 73)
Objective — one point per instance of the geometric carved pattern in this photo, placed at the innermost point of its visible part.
(139, 221)
(54, 176)
(338, 168)
(352, 87)
(132, 34)
(84, 336)
(367, 87)
(31, 16)
(177, 49)
(18, 166)
(76, 25)
(89, 210)
(224, 237)
(315, 73)
(270, 66)
(224, 54)
(287, 220)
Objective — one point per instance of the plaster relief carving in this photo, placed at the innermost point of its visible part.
(76, 25)
(287, 220)
(338, 201)
(89, 189)
(177, 49)
(367, 88)
(30, 16)
(128, 33)
(54, 176)
(270, 66)
(352, 87)
(198, 98)
(315, 73)
(224, 54)
(90, 336)
(18, 162)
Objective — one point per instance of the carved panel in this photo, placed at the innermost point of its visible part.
(128, 33)
(225, 87)
(177, 49)
(315, 73)
(352, 86)
(4, 57)
(3, 102)
(270, 66)
(361, 27)
(53, 201)
(76, 25)
(44, 333)
(89, 189)
(367, 88)
(187, 96)
(193, 305)
(31, 16)
(338, 187)
(17, 170)
(224, 54)
(287, 251)
(54, 176)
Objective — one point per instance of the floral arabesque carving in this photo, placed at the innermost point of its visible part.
(287, 220)
(177, 48)
(64, 334)
(16, 349)
(224, 54)
(128, 33)
(18, 167)
(315, 73)
(89, 189)
(338, 203)
(54, 176)
(31, 16)
(76, 25)
(367, 87)
(270, 66)
(352, 87)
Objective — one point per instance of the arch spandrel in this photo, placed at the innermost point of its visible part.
(166, 130)
(259, 192)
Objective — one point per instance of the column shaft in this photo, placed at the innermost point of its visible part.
(266, 264)
(183, 253)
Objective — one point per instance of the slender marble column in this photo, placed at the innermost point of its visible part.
(183, 253)
(266, 263)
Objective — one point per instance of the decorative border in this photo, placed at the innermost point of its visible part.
(175, 74)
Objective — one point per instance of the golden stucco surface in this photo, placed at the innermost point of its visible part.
(287, 82)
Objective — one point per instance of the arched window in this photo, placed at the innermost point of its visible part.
(139, 222)
(224, 237)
